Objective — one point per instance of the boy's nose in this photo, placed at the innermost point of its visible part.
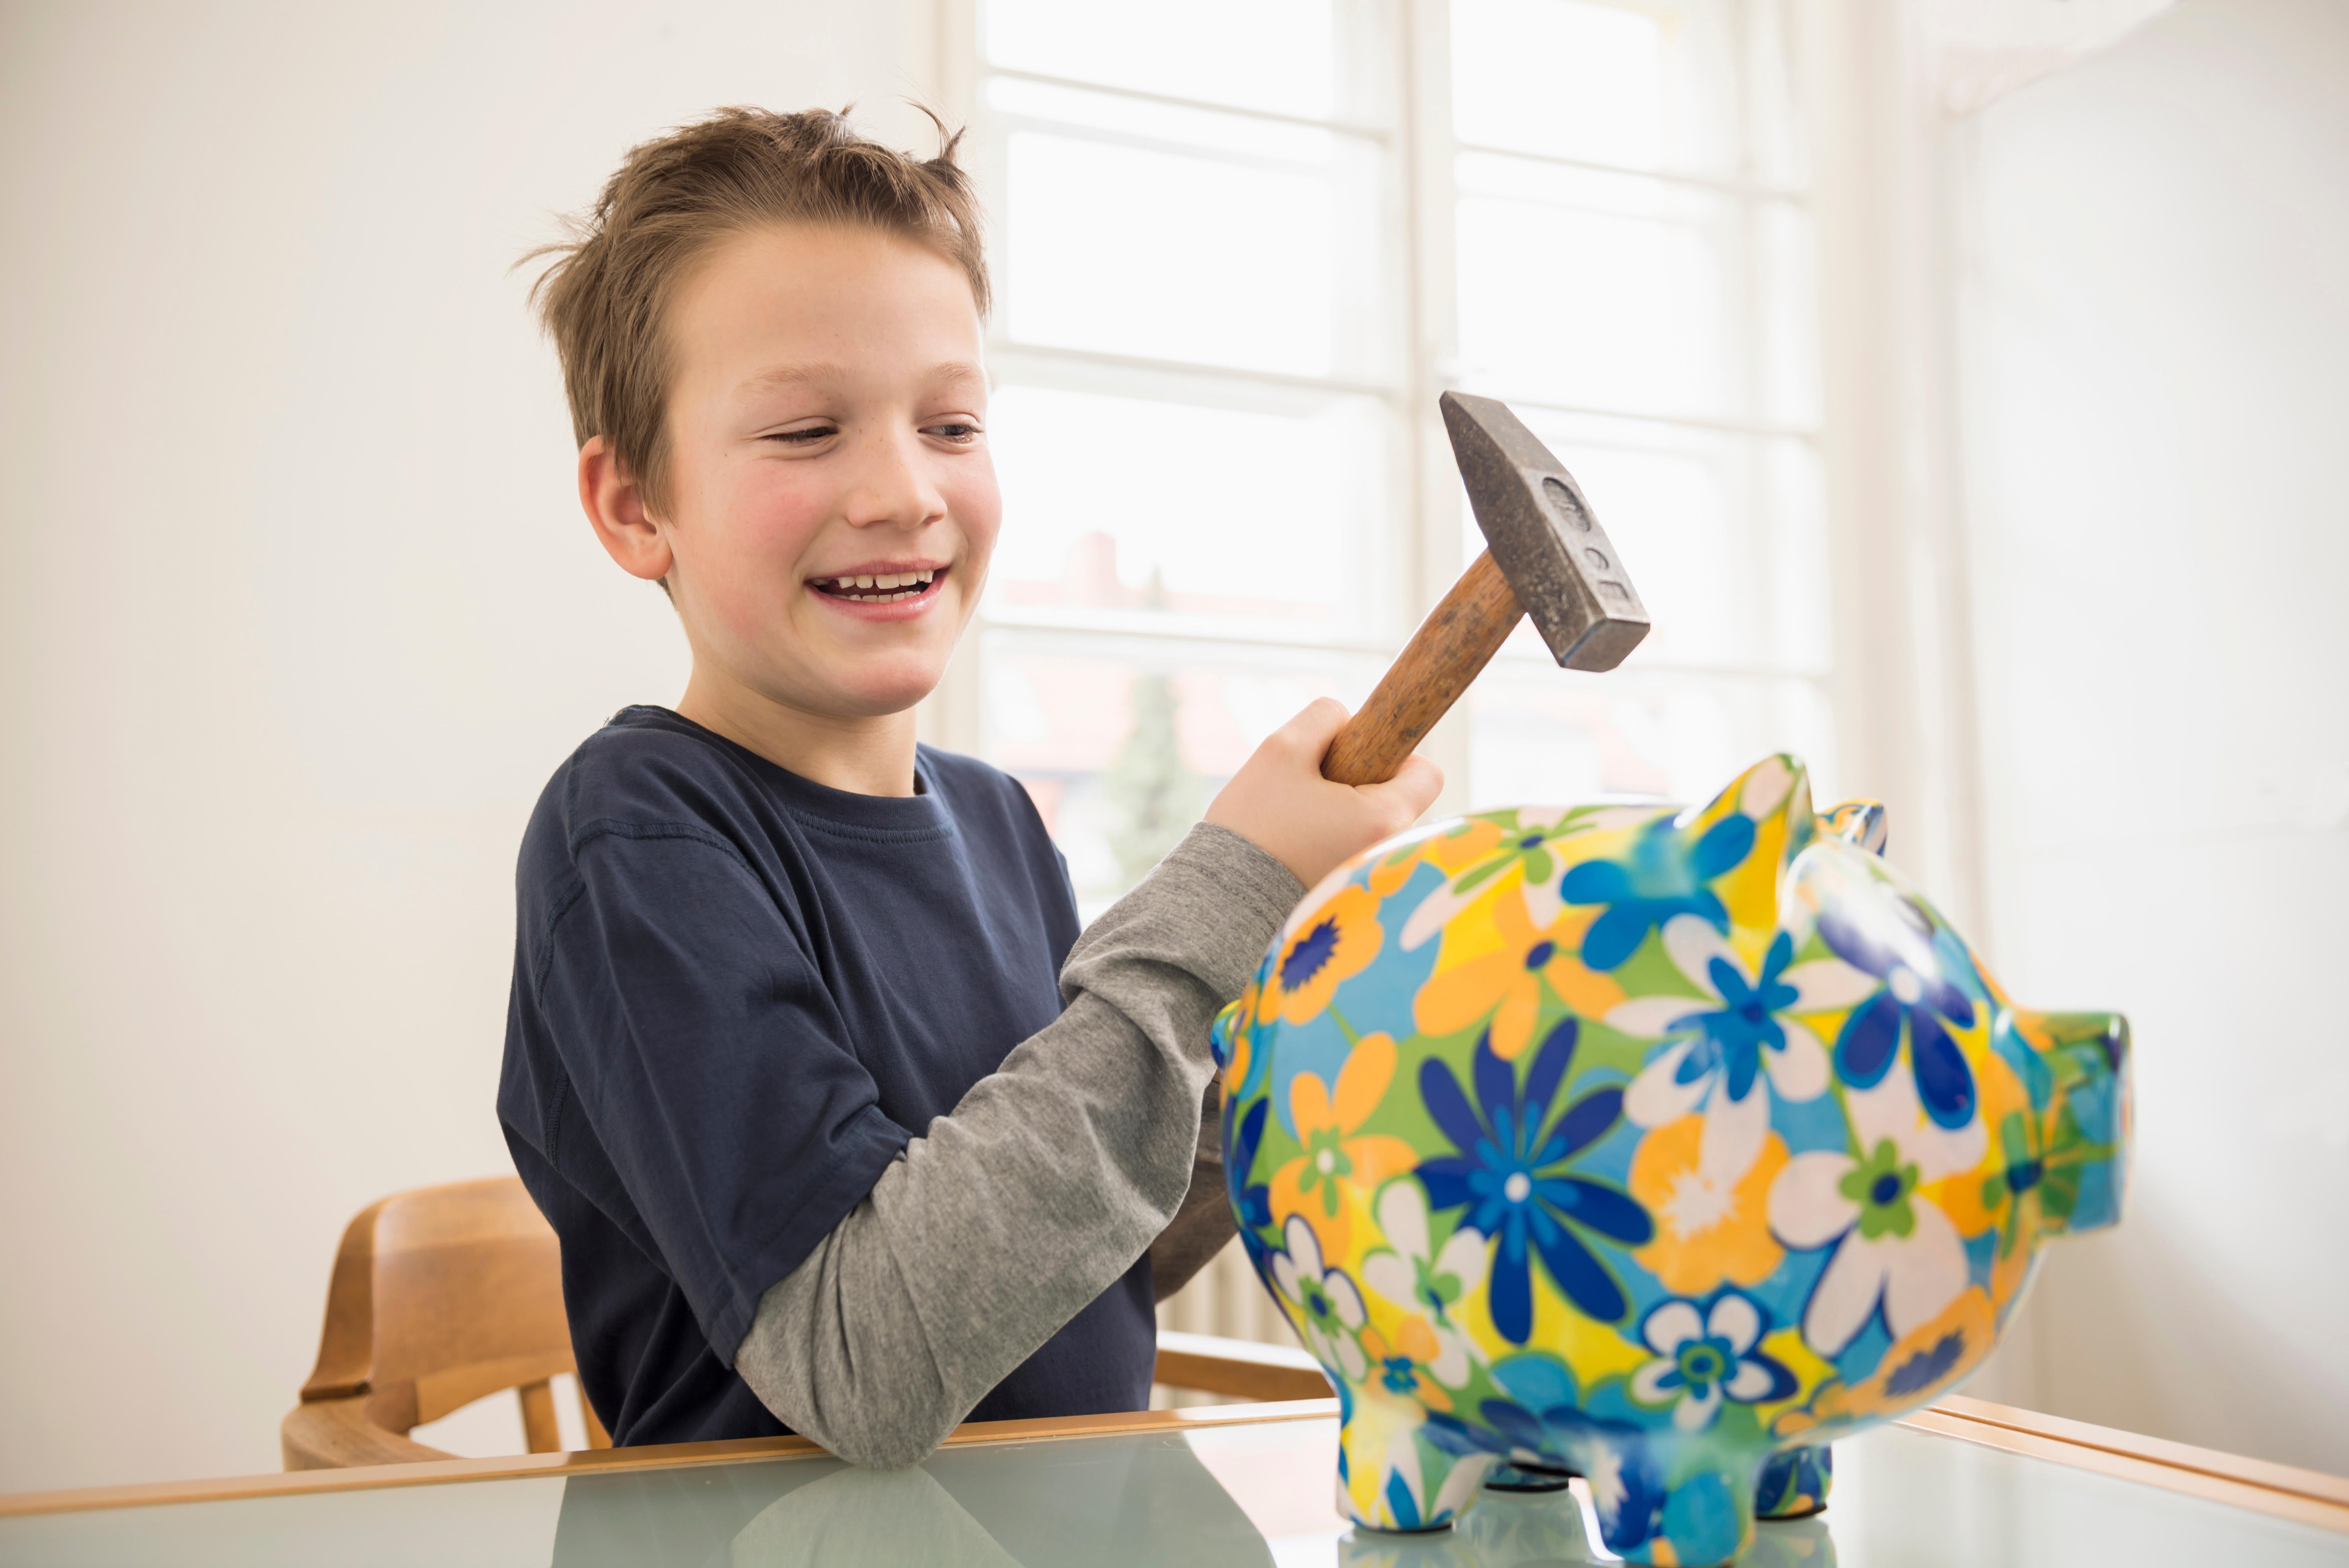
(890, 485)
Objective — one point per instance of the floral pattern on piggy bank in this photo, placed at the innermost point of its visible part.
(1662, 1147)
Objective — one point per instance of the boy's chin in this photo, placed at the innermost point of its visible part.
(877, 694)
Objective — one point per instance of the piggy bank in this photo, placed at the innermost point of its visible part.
(1659, 1147)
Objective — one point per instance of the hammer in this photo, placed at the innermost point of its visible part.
(1544, 556)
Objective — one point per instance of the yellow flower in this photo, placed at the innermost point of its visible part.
(1463, 847)
(1708, 1229)
(1337, 942)
(1389, 875)
(1238, 1023)
(1342, 1165)
(1504, 981)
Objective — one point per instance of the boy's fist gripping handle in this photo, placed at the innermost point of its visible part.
(1546, 557)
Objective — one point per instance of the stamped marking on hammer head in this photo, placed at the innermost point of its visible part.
(1544, 536)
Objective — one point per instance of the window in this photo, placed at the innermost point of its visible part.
(1241, 247)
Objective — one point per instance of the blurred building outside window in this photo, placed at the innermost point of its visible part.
(1240, 246)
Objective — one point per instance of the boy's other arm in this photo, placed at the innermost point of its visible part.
(1203, 1225)
(1039, 1189)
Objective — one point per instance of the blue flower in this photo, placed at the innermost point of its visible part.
(1732, 1036)
(1512, 1173)
(1251, 1201)
(1916, 994)
(1665, 876)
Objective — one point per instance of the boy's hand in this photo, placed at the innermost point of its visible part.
(1280, 802)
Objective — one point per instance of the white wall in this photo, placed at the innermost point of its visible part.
(2156, 412)
(299, 616)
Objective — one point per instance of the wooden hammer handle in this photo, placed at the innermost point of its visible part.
(1458, 638)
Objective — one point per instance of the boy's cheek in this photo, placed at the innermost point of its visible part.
(976, 505)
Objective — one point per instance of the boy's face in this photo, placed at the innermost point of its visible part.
(827, 427)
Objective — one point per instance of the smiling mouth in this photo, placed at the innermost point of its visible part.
(879, 588)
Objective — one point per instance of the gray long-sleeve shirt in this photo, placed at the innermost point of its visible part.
(1041, 1186)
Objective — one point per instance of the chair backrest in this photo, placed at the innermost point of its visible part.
(439, 1296)
(444, 1294)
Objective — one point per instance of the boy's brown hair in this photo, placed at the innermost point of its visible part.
(605, 297)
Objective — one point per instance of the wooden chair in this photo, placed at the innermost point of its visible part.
(447, 1295)
(439, 1297)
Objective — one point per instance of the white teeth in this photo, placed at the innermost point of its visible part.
(882, 587)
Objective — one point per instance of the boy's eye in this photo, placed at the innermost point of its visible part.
(961, 432)
(806, 437)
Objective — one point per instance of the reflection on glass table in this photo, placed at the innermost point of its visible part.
(1229, 1487)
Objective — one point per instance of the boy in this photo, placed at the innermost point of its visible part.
(827, 1149)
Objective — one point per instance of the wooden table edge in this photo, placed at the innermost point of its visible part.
(2265, 1474)
(648, 1457)
(2280, 1491)
(2149, 1461)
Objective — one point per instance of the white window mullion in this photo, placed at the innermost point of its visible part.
(1430, 258)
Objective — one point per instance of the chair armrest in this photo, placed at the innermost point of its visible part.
(1207, 1363)
(330, 1434)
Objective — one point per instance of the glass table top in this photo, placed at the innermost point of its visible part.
(1236, 1494)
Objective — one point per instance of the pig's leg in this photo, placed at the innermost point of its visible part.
(1391, 1477)
(1794, 1483)
(1704, 1521)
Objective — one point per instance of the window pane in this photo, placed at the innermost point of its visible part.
(1129, 503)
(1309, 147)
(1721, 534)
(1122, 750)
(1276, 55)
(1557, 736)
(1608, 292)
(1263, 264)
(1786, 298)
(1651, 86)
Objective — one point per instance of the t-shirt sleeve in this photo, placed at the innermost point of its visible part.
(711, 1065)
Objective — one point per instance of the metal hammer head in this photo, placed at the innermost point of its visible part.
(1544, 537)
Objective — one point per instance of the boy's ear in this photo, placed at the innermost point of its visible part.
(615, 507)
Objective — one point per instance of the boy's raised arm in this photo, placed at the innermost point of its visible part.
(1055, 1173)
(1050, 1176)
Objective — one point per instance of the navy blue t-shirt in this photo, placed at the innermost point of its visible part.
(737, 995)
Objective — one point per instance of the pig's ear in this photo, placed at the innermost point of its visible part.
(1858, 823)
(1767, 810)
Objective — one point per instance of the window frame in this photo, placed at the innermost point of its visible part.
(1425, 547)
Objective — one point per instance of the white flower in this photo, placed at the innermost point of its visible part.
(1325, 1301)
(1891, 1109)
(1893, 1245)
(1743, 1029)
(1701, 1360)
(1426, 1286)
